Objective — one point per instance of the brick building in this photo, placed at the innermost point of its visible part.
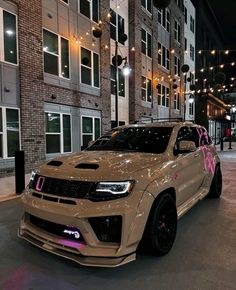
(57, 78)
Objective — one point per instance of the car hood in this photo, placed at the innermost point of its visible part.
(100, 165)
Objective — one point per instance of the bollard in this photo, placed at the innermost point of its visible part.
(221, 144)
(19, 171)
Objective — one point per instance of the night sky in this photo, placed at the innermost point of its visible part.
(225, 12)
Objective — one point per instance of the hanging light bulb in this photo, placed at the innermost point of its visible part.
(126, 68)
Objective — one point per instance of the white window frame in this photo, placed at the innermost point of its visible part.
(2, 53)
(146, 7)
(91, 68)
(161, 49)
(65, 2)
(191, 109)
(93, 129)
(59, 55)
(91, 10)
(191, 52)
(146, 42)
(166, 24)
(4, 131)
(177, 66)
(116, 26)
(164, 96)
(192, 24)
(177, 101)
(60, 133)
(177, 30)
(146, 89)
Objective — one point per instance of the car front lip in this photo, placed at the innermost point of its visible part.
(91, 252)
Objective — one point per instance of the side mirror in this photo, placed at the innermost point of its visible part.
(186, 147)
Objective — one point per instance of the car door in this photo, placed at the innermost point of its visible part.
(188, 166)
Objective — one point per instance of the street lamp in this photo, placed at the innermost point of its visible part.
(185, 69)
(117, 61)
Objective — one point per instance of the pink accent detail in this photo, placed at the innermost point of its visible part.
(175, 175)
(71, 244)
(40, 183)
(209, 163)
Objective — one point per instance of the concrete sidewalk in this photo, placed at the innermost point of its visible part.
(7, 187)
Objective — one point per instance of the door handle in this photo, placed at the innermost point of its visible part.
(173, 166)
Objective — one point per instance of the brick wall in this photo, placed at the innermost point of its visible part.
(34, 92)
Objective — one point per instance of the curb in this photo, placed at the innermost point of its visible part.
(9, 197)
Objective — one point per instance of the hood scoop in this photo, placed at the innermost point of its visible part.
(92, 166)
(55, 163)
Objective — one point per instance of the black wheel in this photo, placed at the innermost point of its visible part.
(216, 184)
(161, 227)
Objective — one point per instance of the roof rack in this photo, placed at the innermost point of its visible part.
(153, 120)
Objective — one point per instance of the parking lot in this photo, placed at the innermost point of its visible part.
(203, 256)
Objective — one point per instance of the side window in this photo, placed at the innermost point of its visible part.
(203, 137)
(186, 134)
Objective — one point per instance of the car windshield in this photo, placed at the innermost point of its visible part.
(137, 139)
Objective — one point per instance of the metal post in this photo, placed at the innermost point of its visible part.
(117, 87)
(19, 171)
(221, 143)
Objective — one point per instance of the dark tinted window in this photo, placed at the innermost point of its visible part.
(137, 139)
(187, 134)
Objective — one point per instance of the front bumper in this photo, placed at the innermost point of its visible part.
(90, 251)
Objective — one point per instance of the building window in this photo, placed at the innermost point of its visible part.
(176, 101)
(8, 33)
(91, 130)
(117, 27)
(146, 43)
(146, 89)
(192, 28)
(163, 56)
(65, 1)
(163, 95)
(185, 15)
(147, 4)
(177, 66)
(90, 9)
(9, 132)
(191, 52)
(185, 44)
(164, 18)
(159, 100)
(191, 106)
(89, 69)
(56, 54)
(58, 133)
(177, 31)
(121, 81)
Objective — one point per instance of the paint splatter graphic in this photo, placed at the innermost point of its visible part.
(209, 163)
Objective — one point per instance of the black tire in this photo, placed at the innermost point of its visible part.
(216, 184)
(161, 227)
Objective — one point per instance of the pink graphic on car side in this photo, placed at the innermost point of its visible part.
(209, 163)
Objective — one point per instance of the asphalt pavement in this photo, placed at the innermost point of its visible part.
(203, 256)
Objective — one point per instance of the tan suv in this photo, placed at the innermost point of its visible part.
(131, 185)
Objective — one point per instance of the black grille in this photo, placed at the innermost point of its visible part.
(107, 229)
(61, 187)
(57, 229)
